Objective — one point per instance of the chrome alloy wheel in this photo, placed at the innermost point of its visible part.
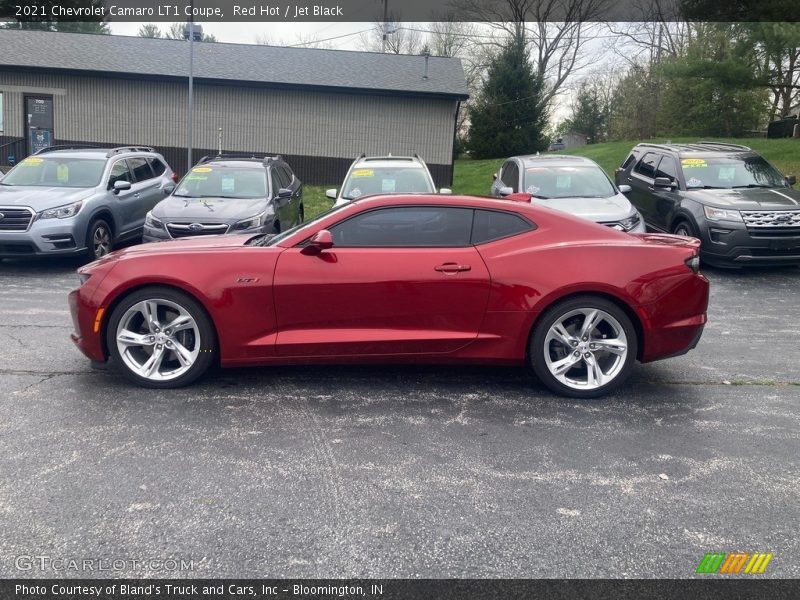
(585, 348)
(158, 339)
(101, 241)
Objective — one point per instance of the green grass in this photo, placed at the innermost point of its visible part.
(475, 176)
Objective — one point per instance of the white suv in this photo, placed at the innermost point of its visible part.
(385, 175)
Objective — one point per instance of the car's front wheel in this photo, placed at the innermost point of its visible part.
(99, 239)
(583, 347)
(161, 338)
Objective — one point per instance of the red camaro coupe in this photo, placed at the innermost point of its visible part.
(423, 279)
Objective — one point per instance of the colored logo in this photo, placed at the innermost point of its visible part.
(734, 563)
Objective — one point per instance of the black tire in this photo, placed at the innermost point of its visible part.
(684, 227)
(545, 350)
(276, 226)
(201, 340)
(99, 239)
(301, 215)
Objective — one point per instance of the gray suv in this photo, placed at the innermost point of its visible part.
(229, 193)
(72, 200)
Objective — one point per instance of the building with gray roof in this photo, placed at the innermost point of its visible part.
(318, 108)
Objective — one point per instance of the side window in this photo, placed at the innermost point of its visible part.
(141, 168)
(647, 166)
(492, 225)
(667, 168)
(157, 166)
(276, 182)
(119, 172)
(407, 226)
(511, 175)
(286, 175)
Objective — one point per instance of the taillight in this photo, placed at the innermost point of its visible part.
(693, 263)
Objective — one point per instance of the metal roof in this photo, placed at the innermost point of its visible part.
(105, 55)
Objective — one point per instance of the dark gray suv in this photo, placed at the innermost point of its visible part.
(69, 200)
(229, 194)
(743, 210)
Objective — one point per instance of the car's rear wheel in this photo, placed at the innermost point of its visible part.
(161, 338)
(583, 347)
(99, 239)
(683, 227)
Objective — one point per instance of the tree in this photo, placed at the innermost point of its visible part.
(392, 37)
(149, 30)
(589, 113)
(509, 117)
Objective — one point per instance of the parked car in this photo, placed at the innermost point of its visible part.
(385, 175)
(571, 184)
(740, 206)
(556, 146)
(69, 200)
(229, 194)
(416, 278)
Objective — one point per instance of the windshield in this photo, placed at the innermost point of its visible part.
(386, 180)
(56, 172)
(730, 172)
(272, 241)
(568, 182)
(223, 182)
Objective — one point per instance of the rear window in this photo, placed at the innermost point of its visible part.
(490, 225)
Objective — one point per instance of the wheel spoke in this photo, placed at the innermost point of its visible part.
(565, 364)
(149, 310)
(591, 321)
(563, 335)
(594, 374)
(129, 338)
(615, 346)
(179, 323)
(182, 354)
(151, 366)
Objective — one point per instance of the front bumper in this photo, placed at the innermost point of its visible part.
(728, 244)
(48, 237)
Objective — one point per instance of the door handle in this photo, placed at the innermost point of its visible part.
(451, 268)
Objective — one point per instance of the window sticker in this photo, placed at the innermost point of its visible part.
(363, 173)
(532, 189)
(227, 184)
(355, 193)
(192, 177)
(563, 182)
(62, 173)
(202, 170)
(727, 173)
(388, 185)
(694, 162)
(694, 182)
(31, 162)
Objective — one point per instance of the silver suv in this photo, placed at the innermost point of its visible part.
(71, 200)
(385, 175)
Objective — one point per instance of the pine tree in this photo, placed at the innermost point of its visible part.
(509, 116)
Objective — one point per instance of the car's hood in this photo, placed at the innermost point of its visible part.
(593, 209)
(208, 209)
(749, 198)
(41, 198)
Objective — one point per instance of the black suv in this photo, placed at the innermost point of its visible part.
(229, 194)
(740, 207)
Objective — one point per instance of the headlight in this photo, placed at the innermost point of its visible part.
(722, 214)
(256, 221)
(152, 222)
(630, 222)
(62, 212)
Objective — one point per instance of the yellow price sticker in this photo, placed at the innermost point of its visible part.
(202, 170)
(363, 173)
(694, 162)
(62, 173)
(32, 162)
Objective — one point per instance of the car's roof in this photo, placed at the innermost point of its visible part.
(95, 153)
(699, 148)
(229, 162)
(389, 161)
(552, 160)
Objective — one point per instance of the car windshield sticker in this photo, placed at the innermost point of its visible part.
(727, 173)
(387, 185)
(227, 184)
(355, 193)
(563, 182)
(193, 177)
(532, 189)
(694, 162)
(363, 173)
(201, 170)
(62, 173)
(31, 162)
(694, 182)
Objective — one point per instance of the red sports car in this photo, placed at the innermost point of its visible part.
(423, 279)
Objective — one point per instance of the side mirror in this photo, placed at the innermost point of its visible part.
(625, 189)
(331, 193)
(505, 191)
(445, 191)
(663, 182)
(322, 240)
(120, 186)
(494, 176)
(284, 193)
(791, 179)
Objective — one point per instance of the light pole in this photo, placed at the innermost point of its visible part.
(190, 111)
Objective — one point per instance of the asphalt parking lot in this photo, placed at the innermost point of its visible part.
(403, 472)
